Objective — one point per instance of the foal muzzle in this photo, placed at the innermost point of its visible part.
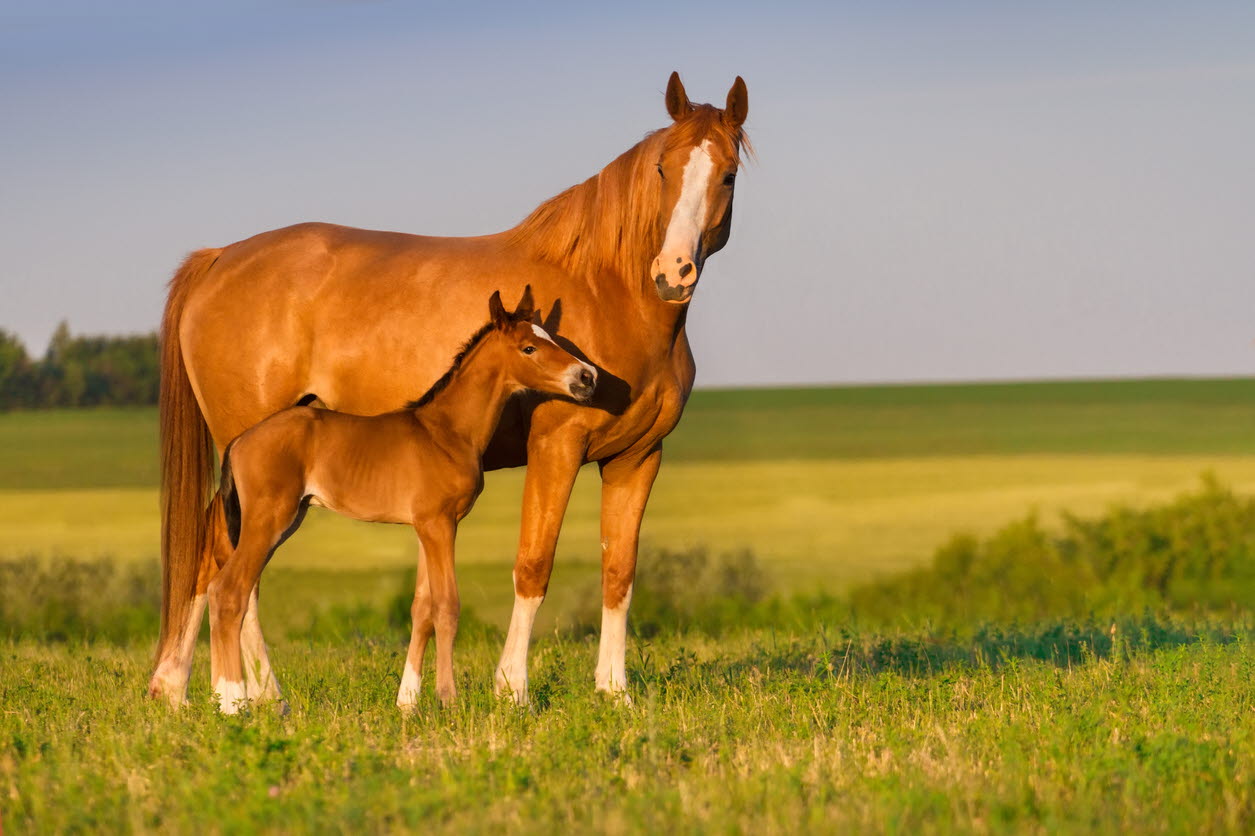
(582, 382)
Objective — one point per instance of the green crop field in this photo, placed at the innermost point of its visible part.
(785, 708)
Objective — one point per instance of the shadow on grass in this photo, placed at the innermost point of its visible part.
(824, 654)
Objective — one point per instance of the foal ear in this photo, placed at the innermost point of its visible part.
(499, 317)
(738, 106)
(524, 311)
(677, 100)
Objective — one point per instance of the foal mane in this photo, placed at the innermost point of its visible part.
(611, 222)
(443, 383)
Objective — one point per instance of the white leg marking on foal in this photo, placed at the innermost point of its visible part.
(512, 670)
(611, 667)
(411, 681)
(230, 695)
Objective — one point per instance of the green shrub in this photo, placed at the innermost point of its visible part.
(1194, 554)
(64, 599)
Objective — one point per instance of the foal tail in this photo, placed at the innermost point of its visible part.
(187, 459)
(230, 497)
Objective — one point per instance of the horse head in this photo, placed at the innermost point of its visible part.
(697, 169)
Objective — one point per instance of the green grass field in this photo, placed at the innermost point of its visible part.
(806, 724)
(826, 486)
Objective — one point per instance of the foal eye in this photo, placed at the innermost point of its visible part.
(531, 349)
(660, 174)
(729, 179)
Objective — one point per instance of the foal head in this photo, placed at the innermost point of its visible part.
(531, 359)
(697, 166)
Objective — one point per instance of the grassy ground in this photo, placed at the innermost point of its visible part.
(752, 733)
(802, 726)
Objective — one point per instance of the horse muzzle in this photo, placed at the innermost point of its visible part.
(675, 278)
(582, 383)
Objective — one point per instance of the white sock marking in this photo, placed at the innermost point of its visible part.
(612, 649)
(230, 695)
(411, 681)
(512, 669)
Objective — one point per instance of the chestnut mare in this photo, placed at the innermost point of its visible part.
(420, 465)
(359, 317)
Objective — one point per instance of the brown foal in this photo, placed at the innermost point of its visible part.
(421, 465)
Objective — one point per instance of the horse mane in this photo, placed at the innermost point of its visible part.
(611, 222)
(441, 384)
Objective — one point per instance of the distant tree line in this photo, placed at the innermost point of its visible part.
(79, 371)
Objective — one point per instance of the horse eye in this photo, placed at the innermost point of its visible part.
(531, 349)
(729, 179)
(660, 174)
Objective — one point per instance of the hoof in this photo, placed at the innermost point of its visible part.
(617, 695)
(503, 687)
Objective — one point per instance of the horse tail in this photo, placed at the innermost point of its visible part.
(230, 498)
(187, 459)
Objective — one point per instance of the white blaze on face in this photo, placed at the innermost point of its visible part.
(689, 216)
(541, 332)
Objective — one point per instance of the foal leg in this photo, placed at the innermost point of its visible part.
(260, 683)
(625, 487)
(229, 595)
(437, 538)
(420, 633)
(551, 469)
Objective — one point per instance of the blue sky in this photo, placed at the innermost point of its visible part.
(943, 191)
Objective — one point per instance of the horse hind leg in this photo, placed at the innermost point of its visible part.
(175, 668)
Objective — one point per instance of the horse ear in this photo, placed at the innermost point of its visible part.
(738, 106)
(499, 317)
(524, 311)
(677, 100)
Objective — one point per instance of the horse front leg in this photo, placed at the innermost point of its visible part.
(625, 487)
(423, 625)
(437, 538)
(552, 466)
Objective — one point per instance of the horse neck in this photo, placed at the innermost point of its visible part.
(470, 405)
(606, 228)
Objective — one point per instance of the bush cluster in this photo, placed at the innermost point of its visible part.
(1195, 554)
(1149, 576)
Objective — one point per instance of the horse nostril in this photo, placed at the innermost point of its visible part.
(686, 269)
(586, 377)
